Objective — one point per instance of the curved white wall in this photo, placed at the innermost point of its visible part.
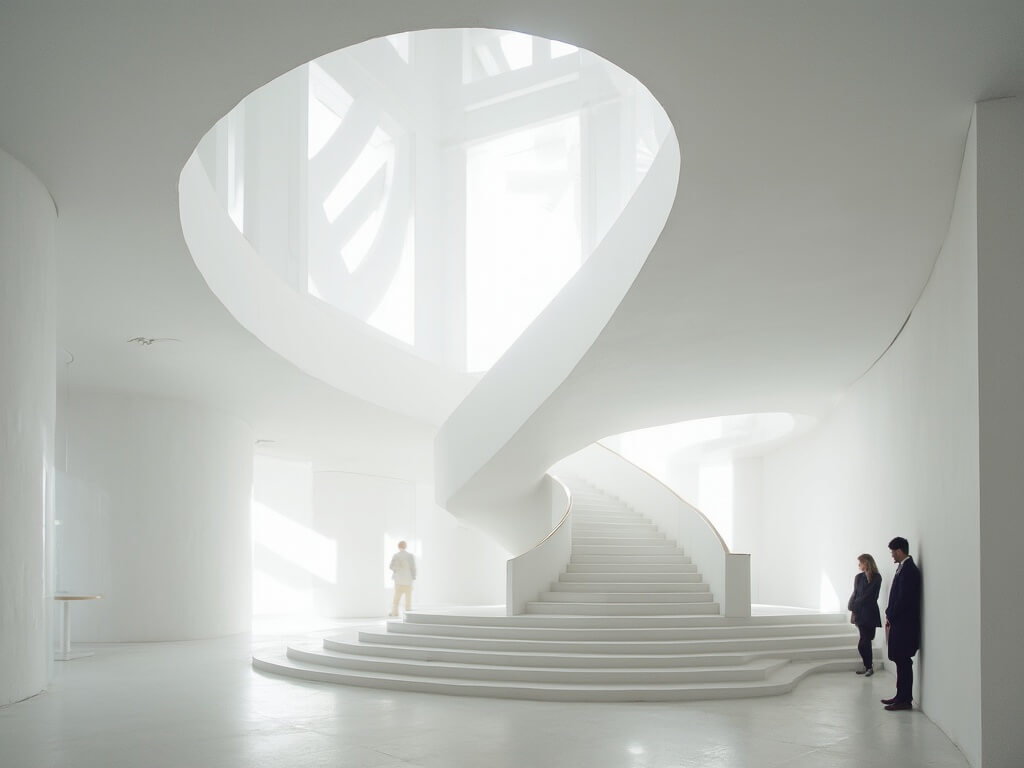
(154, 512)
(28, 391)
(899, 457)
(27, 413)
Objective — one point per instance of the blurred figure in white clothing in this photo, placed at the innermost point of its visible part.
(403, 571)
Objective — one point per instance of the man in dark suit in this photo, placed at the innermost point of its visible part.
(903, 622)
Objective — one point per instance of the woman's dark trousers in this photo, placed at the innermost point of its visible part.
(867, 636)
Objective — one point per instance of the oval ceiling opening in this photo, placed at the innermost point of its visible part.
(439, 186)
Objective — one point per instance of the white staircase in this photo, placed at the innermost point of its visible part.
(622, 565)
(629, 620)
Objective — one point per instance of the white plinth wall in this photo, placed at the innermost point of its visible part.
(154, 512)
(27, 413)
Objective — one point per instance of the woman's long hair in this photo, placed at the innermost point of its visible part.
(872, 567)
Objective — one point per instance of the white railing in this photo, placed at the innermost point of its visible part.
(726, 573)
(532, 572)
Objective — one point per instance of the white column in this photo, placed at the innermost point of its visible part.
(157, 518)
(27, 408)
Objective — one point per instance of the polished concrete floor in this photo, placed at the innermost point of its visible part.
(179, 705)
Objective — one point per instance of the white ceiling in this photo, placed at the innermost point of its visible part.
(821, 144)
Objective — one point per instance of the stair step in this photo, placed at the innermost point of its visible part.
(630, 541)
(587, 517)
(628, 587)
(579, 527)
(650, 641)
(834, 622)
(543, 654)
(609, 536)
(623, 577)
(663, 564)
(756, 669)
(623, 609)
(781, 681)
(554, 642)
(629, 559)
(568, 596)
(626, 549)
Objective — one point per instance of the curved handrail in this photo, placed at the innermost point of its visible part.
(531, 572)
(670, 489)
(561, 522)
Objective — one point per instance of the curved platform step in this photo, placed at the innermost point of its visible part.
(755, 669)
(652, 641)
(837, 621)
(780, 681)
(540, 653)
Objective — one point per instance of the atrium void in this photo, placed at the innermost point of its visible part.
(439, 186)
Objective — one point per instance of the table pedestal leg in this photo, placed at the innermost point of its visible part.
(65, 653)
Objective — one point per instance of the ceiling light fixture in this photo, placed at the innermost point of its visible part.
(145, 341)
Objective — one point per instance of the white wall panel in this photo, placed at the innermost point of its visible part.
(157, 518)
(27, 414)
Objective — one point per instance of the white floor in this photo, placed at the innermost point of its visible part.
(201, 704)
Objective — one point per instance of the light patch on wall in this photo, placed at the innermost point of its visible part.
(329, 103)
(560, 49)
(828, 599)
(518, 49)
(396, 313)
(295, 543)
(716, 497)
(400, 43)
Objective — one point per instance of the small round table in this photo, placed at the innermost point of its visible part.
(65, 653)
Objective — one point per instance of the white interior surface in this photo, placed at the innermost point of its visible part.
(823, 144)
(166, 705)
(898, 457)
(28, 393)
(156, 518)
(1001, 369)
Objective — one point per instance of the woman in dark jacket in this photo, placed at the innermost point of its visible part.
(864, 607)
